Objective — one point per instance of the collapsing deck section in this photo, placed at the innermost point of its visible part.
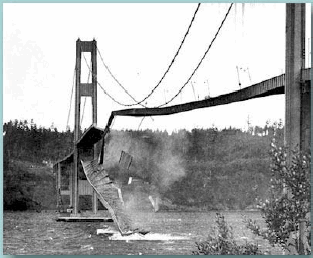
(109, 194)
(91, 136)
(108, 191)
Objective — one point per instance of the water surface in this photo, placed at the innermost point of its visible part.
(171, 233)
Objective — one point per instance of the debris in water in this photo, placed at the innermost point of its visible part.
(147, 237)
(155, 203)
(106, 231)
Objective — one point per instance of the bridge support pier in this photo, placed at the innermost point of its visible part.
(297, 91)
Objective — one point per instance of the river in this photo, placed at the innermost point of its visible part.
(171, 233)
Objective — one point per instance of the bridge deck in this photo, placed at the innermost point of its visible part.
(273, 86)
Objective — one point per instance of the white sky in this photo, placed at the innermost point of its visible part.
(137, 42)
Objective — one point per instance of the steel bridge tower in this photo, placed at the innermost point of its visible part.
(83, 90)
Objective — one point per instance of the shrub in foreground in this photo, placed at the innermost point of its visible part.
(289, 202)
(221, 242)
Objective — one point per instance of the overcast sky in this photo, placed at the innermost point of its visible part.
(138, 42)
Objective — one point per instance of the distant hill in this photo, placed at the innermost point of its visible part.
(203, 168)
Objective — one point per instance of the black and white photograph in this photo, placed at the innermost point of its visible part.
(156, 128)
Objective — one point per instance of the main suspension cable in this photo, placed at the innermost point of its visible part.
(117, 81)
(165, 73)
(194, 71)
(98, 83)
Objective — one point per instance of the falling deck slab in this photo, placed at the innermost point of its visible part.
(84, 219)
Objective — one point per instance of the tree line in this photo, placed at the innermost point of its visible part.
(24, 140)
(223, 169)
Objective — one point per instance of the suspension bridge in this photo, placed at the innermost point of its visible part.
(295, 84)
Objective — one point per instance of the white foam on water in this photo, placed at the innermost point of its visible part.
(106, 231)
(147, 237)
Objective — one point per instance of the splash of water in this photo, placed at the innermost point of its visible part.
(147, 237)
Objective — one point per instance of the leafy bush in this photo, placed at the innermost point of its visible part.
(221, 242)
(289, 200)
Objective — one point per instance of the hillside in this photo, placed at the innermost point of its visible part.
(28, 186)
(203, 168)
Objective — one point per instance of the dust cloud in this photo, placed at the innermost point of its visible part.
(155, 167)
(154, 160)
